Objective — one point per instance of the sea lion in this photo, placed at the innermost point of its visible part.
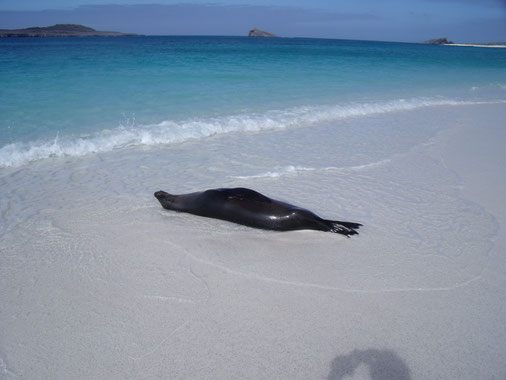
(250, 208)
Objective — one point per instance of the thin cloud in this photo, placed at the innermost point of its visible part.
(184, 18)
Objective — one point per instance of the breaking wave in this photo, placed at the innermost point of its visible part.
(170, 132)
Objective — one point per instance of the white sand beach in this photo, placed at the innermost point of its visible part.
(477, 45)
(99, 282)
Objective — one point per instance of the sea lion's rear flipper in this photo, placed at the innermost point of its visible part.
(351, 225)
(343, 228)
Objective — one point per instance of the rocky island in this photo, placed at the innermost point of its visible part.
(59, 30)
(255, 32)
(438, 41)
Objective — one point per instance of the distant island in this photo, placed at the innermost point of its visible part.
(444, 41)
(59, 30)
(438, 41)
(255, 32)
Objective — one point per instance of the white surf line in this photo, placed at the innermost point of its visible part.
(292, 170)
(170, 298)
(321, 287)
(183, 299)
(183, 325)
(180, 327)
(5, 370)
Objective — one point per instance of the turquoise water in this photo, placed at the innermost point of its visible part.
(79, 96)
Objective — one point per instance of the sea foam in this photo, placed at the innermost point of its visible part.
(171, 132)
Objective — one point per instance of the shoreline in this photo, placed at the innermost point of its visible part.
(21, 153)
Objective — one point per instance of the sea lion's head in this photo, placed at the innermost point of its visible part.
(168, 201)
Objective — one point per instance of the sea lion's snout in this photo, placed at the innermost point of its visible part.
(167, 200)
(161, 194)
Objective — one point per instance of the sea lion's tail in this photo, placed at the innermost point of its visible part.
(343, 228)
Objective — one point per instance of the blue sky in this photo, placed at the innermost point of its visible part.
(386, 20)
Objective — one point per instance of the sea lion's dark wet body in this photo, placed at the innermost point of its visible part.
(250, 208)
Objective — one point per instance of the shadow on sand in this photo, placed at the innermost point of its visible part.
(383, 365)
